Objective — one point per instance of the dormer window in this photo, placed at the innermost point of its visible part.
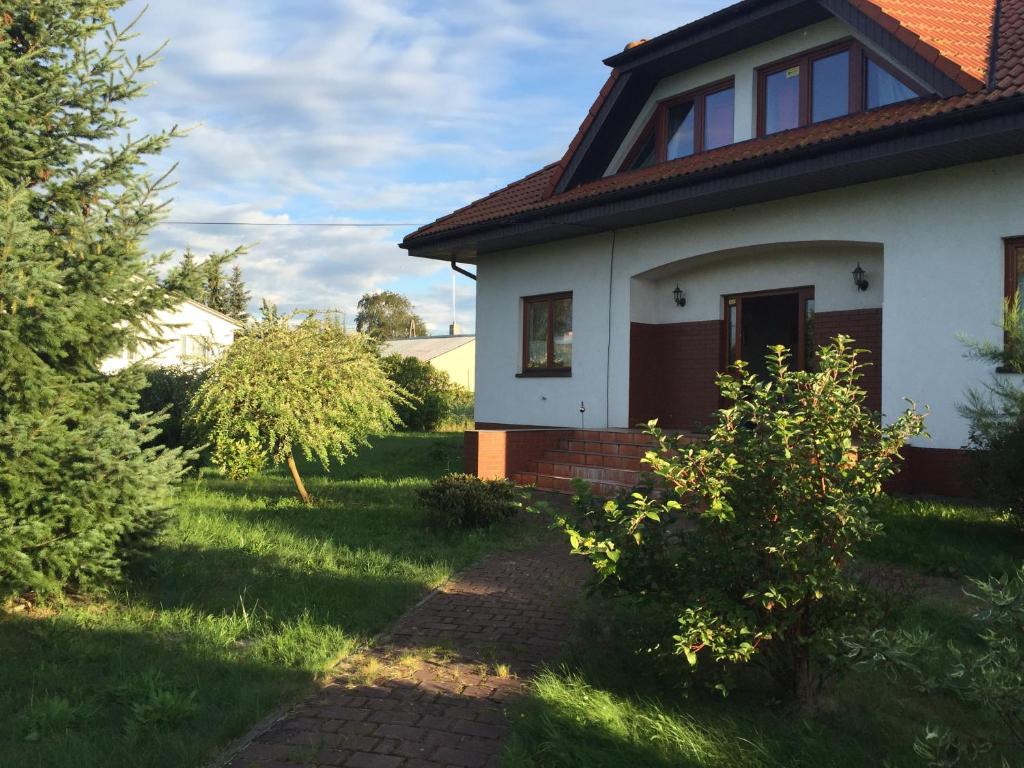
(681, 126)
(826, 83)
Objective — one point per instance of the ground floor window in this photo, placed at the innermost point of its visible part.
(547, 334)
(756, 321)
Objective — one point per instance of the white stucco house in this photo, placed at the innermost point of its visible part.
(193, 333)
(796, 169)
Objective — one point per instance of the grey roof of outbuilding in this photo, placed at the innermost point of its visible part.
(426, 347)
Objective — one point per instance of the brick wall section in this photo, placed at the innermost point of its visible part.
(494, 454)
(672, 373)
(865, 327)
(644, 361)
(937, 471)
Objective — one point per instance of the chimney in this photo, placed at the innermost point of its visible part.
(453, 329)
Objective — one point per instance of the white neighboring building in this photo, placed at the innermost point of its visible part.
(192, 333)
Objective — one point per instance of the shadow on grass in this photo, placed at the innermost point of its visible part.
(946, 539)
(87, 696)
(358, 596)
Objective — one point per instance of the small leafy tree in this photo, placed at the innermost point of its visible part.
(434, 396)
(388, 315)
(988, 677)
(995, 413)
(283, 387)
(750, 543)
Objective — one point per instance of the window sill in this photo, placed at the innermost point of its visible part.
(546, 374)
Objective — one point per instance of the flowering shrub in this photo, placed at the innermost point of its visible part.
(752, 534)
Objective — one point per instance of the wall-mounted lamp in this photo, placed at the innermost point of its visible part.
(858, 278)
(677, 294)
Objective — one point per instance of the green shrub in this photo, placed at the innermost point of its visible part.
(995, 413)
(435, 398)
(751, 543)
(170, 389)
(466, 501)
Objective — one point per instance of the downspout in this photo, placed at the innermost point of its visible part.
(462, 271)
(608, 351)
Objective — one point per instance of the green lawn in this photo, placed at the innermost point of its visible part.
(249, 598)
(612, 704)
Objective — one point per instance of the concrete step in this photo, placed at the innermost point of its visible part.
(591, 474)
(594, 460)
(564, 484)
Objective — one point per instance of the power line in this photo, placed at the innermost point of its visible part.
(289, 224)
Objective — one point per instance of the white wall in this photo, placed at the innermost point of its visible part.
(742, 67)
(191, 331)
(940, 233)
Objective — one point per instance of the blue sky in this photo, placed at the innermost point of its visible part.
(368, 111)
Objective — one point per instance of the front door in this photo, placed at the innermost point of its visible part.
(756, 321)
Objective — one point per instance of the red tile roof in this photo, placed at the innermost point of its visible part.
(959, 31)
(938, 23)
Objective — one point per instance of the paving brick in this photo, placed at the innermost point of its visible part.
(461, 757)
(370, 760)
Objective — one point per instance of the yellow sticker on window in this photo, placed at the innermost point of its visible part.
(793, 72)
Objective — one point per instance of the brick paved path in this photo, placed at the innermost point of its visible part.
(434, 694)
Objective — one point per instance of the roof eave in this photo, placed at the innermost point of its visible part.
(941, 141)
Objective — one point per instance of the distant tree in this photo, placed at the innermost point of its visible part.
(283, 387)
(82, 487)
(237, 295)
(388, 315)
(208, 282)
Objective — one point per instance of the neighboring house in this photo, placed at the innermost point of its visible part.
(755, 159)
(192, 333)
(455, 355)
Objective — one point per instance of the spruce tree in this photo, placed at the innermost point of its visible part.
(81, 487)
(238, 296)
(186, 278)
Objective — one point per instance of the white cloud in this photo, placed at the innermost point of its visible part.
(347, 110)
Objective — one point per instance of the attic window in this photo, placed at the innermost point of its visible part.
(826, 83)
(694, 122)
(883, 88)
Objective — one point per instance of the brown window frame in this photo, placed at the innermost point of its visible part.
(658, 123)
(549, 370)
(1012, 276)
(859, 57)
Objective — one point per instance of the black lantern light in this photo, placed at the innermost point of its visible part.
(677, 294)
(858, 278)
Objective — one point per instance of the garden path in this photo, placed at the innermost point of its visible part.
(435, 692)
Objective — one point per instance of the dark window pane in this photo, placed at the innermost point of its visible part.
(537, 334)
(562, 330)
(810, 348)
(830, 86)
(884, 89)
(732, 330)
(680, 131)
(782, 100)
(645, 157)
(718, 119)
